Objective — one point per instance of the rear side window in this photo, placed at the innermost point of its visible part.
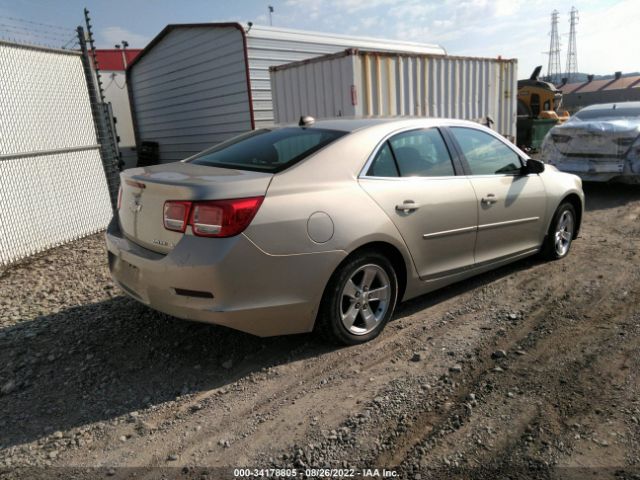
(383, 164)
(422, 153)
(485, 154)
(417, 153)
(267, 150)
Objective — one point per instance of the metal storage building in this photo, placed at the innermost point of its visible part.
(607, 90)
(374, 83)
(198, 84)
(111, 63)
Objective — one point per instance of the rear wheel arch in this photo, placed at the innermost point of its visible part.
(376, 253)
(392, 254)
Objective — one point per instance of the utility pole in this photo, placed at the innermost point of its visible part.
(270, 15)
(123, 52)
(553, 70)
(125, 44)
(572, 53)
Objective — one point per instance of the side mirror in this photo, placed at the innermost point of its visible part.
(533, 166)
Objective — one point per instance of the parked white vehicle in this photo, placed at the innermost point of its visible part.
(599, 143)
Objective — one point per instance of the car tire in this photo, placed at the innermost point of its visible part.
(561, 233)
(359, 299)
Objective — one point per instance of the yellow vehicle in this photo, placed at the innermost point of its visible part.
(538, 105)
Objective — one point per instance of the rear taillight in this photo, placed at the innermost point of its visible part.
(214, 218)
(176, 214)
(119, 197)
(223, 218)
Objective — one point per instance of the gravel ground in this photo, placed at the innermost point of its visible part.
(530, 371)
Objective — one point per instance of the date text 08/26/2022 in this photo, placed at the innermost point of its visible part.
(314, 473)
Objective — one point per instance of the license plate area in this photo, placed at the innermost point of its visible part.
(129, 274)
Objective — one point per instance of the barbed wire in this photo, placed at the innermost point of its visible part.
(33, 33)
(19, 30)
(72, 42)
(30, 22)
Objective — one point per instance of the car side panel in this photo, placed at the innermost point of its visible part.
(287, 222)
(515, 221)
(441, 232)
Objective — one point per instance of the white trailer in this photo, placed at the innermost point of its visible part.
(366, 83)
(195, 85)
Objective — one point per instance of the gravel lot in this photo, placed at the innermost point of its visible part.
(530, 371)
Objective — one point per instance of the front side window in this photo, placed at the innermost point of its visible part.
(267, 150)
(485, 154)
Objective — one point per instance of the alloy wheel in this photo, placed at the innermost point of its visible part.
(364, 300)
(564, 233)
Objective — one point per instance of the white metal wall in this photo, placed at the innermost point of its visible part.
(320, 89)
(116, 93)
(190, 90)
(382, 84)
(52, 182)
(269, 47)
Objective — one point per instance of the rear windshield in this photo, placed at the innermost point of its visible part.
(267, 150)
(620, 112)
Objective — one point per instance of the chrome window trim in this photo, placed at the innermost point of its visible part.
(416, 178)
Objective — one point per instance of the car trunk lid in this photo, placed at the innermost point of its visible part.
(595, 139)
(145, 191)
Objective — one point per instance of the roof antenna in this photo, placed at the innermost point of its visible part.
(306, 121)
(250, 24)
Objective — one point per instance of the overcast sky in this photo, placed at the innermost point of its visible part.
(607, 31)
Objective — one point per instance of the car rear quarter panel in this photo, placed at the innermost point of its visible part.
(325, 183)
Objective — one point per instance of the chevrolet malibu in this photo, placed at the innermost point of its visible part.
(327, 225)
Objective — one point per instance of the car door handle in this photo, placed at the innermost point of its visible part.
(489, 199)
(407, 206)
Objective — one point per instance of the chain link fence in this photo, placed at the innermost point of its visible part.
(58, 164)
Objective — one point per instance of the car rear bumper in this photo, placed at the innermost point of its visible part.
(226, 281)
(593, 169)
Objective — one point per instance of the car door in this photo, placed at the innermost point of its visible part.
(413, 179)
(511, 204)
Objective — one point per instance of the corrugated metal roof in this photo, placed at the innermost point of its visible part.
(385, 45)
(111, 58)
(259, 32)
(602, 85)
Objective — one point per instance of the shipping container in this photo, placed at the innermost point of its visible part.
(196, 85)
(365, 83)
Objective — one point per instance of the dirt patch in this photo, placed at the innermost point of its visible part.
(531, 370)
